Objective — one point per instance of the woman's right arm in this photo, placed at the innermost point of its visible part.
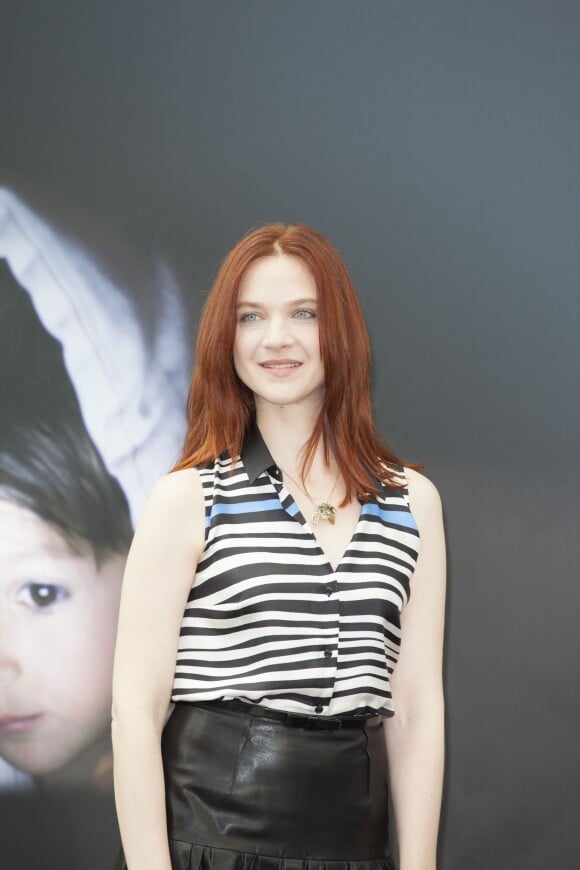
(158, 576)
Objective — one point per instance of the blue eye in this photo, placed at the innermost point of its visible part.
(250, 317)
(304, 314)
(42, 595)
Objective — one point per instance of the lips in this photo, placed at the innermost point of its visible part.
(14, 724)
(280, 364)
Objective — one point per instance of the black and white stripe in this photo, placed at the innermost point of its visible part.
(269, 621)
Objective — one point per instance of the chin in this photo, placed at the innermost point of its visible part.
(35, 766)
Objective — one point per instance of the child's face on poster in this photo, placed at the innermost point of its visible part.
(58, 618)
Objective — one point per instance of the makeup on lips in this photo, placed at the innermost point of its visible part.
(280, 367)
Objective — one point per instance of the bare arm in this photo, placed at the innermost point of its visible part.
(158, 577)
(415, 735)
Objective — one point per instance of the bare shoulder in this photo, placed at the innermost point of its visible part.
(177, 490)
(175, 508)
(423, 495)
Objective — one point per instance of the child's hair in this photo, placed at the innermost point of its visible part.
(48, 462)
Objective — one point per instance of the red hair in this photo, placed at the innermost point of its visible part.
(220, 408)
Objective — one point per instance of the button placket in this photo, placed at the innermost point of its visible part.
(331, 588)
(328, 589)
(329, 652)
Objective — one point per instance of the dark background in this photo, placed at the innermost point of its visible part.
(436, 144)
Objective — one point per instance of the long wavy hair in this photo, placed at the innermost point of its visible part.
(220, 408)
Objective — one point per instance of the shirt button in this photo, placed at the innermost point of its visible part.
(327, 653)
(319, 709)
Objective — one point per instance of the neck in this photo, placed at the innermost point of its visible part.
(286, 430)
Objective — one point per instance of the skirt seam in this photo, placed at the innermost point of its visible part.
(241, 745)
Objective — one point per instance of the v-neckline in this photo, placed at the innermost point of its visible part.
(284, 493)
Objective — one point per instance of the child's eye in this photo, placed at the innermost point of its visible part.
(304, 314)
(42, 595)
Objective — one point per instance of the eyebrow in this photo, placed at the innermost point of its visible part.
(306, 301)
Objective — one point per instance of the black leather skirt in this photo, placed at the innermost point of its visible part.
(246, 792)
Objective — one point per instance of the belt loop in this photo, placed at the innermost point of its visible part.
(297, 720)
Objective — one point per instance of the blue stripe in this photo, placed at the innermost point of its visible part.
(246, 507)
(398, 518)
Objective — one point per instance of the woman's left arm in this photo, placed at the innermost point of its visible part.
(415, 734)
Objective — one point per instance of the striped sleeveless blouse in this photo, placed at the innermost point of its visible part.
(268, 620)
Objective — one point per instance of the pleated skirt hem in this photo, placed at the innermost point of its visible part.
(190, 856)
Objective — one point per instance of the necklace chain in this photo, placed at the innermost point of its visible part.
(324, 512)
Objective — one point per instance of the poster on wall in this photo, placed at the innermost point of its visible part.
(94, 363)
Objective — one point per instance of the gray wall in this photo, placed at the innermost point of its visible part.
(436, 144)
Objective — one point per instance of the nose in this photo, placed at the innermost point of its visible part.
(277, 333)
(9, 671)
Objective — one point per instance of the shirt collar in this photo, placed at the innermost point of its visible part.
(257, 458)
(254, 454)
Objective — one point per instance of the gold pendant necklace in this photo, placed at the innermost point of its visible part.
(324, 512)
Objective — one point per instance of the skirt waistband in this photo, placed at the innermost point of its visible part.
(295, 720)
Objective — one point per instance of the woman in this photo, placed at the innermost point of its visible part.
(273, 565)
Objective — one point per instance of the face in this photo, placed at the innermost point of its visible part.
(276, 348)
(58, 618)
